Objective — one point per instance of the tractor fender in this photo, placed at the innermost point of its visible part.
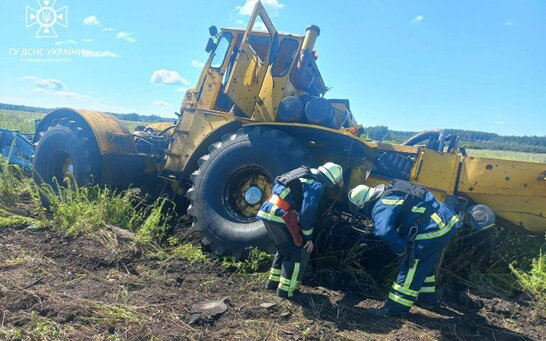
(328, 144)
(213, 136)
(112, 136)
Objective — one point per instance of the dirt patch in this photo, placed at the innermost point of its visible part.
(101, 286)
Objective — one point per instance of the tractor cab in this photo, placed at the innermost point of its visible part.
(250, 72)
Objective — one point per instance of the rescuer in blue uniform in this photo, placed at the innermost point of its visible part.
(416, 227)
(289, 216)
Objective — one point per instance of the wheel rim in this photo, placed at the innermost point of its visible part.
(68, 167)
(62, 167)
(246, 190)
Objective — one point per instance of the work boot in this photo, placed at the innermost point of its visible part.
(386, 312)
(271, 285)
(296, 295)
(282, 294)
(432, 306)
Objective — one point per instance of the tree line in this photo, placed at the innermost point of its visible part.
(126, 117)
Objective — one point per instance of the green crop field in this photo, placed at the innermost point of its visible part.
(18, 120)
(24, 121)
(508, 155)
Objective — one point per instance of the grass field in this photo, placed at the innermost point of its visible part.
(24, 121)
(508, 155)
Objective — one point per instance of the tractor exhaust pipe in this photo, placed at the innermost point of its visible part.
(311, 34)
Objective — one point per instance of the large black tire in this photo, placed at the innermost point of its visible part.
(67, 148)
(252, 157)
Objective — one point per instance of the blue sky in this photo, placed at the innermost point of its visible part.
(411, 65)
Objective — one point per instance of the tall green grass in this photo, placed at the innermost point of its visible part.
(78, 209)
(498, 263)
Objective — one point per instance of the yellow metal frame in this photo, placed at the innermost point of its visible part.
(111, 134)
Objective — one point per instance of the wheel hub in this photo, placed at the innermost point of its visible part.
(68, 167)
(246, 190)
(253, 195)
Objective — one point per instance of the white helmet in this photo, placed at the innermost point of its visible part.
(359, 196)
(333, 172)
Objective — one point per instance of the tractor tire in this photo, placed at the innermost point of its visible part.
(233, 181)
(67, 148)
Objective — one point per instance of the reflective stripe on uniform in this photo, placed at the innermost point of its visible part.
(309, 181)
(275, 271)
(307, 232)
(284, 193)
(438, 220)
(442, 229)
(283, 287)
(274, 278)
(403, 290)
(410, 274)
(294, 280)
(430, 279)
(270, 217)
(417, 209)
(285, 281)
(392, 202)
(428, 290)
(400, 300)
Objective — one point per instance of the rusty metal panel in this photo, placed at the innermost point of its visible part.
(435, 170)
(111, 134)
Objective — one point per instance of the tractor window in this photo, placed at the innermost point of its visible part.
(219, 54)
(287, 50)
(259, 43)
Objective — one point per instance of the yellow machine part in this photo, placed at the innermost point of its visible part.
(194, 127)
(515, 190)
(436, 171)
(273, 90)
(111, 134)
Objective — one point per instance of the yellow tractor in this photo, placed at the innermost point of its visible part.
(258, 110)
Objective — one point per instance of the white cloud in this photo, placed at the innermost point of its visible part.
(182, 89)
(98, 54)
(87, 40)
(259, 26)
(509, 23)
(417, 20)
(66, 42)
(92, 20)
(500, 123)
(162, 104)
(240, 22)
(46, 84)
(53, 87)
(197, 64)
(272, 7)
(168, 77)
(127, 36)
(109, 29)
(70, 94)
